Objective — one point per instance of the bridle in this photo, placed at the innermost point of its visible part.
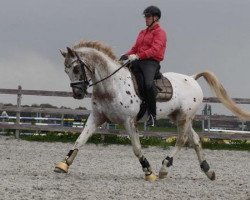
(84, 83)
(84, 80)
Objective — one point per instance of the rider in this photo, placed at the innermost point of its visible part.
(145, 57)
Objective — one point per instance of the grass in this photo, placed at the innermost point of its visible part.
(145, 141)
(230, 145)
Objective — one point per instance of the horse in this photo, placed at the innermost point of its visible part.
(114, 99)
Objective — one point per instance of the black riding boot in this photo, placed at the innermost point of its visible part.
(151, 107)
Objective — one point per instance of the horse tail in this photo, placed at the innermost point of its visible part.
(222, 95)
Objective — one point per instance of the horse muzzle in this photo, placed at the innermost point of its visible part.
(79, 90)
(78, 94)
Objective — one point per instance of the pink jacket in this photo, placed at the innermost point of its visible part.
(150, 43)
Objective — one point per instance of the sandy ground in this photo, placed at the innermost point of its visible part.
(113, 172)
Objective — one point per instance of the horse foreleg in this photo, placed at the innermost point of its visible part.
(92, 123)
(135, 140)
(180, 141)
(195, 140)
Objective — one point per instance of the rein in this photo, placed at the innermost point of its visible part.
(125, 64)
(83, 65)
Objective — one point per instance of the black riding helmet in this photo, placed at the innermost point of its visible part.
(153, 11)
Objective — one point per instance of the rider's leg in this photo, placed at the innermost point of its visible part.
(139, 77)
(149, 68)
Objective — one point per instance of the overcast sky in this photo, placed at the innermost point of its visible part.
(202, 35)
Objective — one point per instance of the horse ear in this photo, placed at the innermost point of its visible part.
(63, 53)
(70, 51)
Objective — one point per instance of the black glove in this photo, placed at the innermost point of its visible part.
(123, 57)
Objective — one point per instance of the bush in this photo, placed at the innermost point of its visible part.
(145, 141)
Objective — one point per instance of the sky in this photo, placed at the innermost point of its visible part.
(202, 35)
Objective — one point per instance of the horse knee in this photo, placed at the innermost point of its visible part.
(194, 139)
(137, 152)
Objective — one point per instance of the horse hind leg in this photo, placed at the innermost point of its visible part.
(181, 139)
(194, 139)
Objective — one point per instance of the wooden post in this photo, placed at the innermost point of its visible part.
(145, 128)
(203, 121)
(242, 125)
(208, 124)
(62, 119)
(203, 125)
(19, 98)
(4, 114)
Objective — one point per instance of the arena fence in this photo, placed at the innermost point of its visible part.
(17, 126)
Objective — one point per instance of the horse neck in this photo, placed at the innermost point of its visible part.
(116, 82)
(103, 66)
(99, 63)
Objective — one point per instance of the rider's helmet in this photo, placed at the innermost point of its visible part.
(152, 11)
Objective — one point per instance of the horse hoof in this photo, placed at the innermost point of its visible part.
(163, 175)
(211, 175)
(151, 178)
(61, 167)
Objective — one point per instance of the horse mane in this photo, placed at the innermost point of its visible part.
(98, 46)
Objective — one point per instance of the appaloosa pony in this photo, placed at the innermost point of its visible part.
(114, 99)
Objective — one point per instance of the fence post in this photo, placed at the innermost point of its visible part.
(145, 128)
(208, 124)
(19, 97)
(5, 115)
(203, 125)
(62, 119)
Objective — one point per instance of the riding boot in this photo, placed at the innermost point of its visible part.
(143, 109)
(151, 107)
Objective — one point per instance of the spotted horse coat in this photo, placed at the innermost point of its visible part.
(114, 100)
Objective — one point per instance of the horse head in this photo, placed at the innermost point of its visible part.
(76, 68)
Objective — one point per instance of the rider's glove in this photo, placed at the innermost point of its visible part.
(133, 57)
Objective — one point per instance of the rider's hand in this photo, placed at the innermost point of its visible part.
(123, 57)
(133, 57)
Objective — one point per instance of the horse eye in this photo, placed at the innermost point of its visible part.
(75, 70)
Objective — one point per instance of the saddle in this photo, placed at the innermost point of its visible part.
(162, 86)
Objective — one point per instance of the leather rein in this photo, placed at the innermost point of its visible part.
(85, 80)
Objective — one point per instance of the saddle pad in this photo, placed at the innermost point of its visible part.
(163, 85)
